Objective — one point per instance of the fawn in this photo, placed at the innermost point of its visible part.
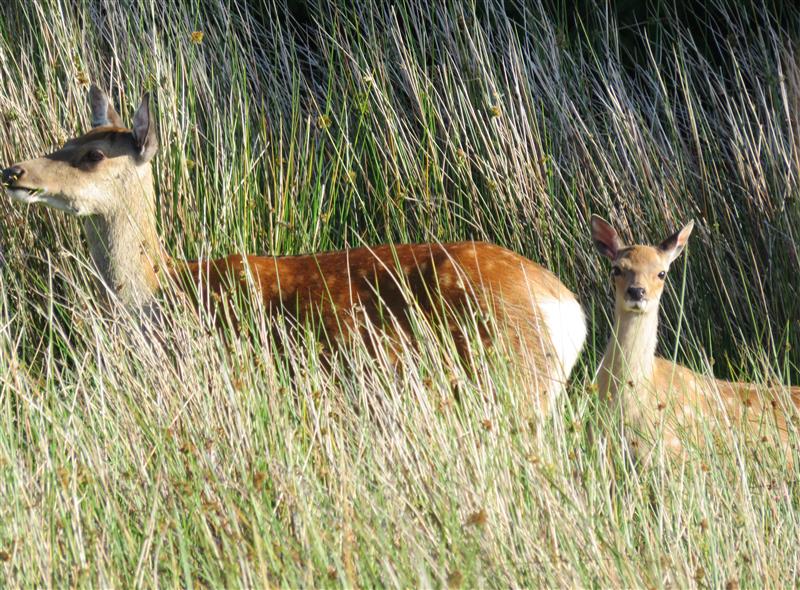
(105, 178)
(655, 393)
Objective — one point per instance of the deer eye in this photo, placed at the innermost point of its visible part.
(615, 270)
(93, 156)
(662, 274)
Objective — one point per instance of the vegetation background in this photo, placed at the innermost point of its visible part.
(307, 126)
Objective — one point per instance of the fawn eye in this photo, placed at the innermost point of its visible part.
(615, 271)
(662, 274)
(93, 156)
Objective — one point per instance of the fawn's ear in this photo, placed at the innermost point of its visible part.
(605, 238)
(144, 130)
(103, 113)
(674, 245)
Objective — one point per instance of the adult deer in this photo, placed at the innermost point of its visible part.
(656, 395)
(105, 178)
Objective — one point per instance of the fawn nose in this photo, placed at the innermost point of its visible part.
(635, 293)
(11, 175)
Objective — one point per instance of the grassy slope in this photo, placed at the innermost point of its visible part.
(120, 466)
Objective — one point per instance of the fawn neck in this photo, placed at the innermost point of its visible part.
(630, 354)
(124, 244)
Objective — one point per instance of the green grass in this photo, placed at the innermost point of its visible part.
(212, 465)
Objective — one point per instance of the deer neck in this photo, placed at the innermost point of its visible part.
(125, 247)
(629, 359)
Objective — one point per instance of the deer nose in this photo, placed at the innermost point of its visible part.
(11, 175)
(635, 293)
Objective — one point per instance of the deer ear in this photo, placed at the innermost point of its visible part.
(605, 238)
(144, 130)
(103, 112)
(674, 245)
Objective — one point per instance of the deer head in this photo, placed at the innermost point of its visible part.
(93, 174)
(638, 272)
(104, 177)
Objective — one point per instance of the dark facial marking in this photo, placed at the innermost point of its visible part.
(116, 141)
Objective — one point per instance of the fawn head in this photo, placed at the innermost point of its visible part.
(91, 173)
(638, 272)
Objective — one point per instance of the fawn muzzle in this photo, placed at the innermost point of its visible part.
(635, 299)
(11, 175)
(635, 293)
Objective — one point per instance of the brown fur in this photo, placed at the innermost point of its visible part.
(378, 284)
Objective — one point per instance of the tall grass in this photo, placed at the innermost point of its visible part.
(326, 126)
